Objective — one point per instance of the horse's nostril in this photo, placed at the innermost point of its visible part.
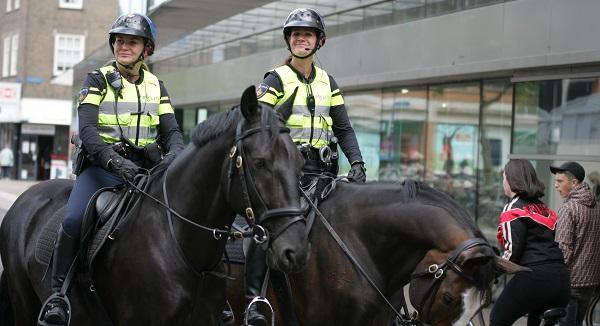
(290, 257)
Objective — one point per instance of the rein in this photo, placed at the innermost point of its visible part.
(402, 316)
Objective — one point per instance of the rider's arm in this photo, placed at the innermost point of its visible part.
(342, 129)
(170, 132)
(90, 97)
(270, 91)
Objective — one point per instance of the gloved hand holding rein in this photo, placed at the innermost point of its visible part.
(357, 172)
(112, 161)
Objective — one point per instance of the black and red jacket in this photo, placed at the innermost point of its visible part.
(526, 233)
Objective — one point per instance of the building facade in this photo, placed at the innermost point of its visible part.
(40, 42)
(443, 91)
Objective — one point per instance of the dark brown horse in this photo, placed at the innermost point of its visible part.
(162, 269)
(399, 235)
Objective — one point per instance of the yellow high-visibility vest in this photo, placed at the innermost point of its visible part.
(138, 109)
(301, 124)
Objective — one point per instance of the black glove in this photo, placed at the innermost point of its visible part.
(357, 172)
(117, 163)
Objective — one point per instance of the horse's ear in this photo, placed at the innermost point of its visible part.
(249, 103)
(507, 266)
(285, 109)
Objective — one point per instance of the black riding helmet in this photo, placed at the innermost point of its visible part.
(304, 17)
(134, 24)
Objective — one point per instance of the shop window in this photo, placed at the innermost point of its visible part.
(548, 122)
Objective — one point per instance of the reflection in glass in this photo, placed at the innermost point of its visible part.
(364, 110)
(403, 134)
(557, 117)
(452, 145)
(496, 109)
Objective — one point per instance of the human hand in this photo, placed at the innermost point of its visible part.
(357, 172)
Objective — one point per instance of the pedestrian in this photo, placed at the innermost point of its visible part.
(123, 111)
(7, 161)
(577, 234)
(526, 236)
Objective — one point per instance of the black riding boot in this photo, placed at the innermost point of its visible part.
(64, 253)
(256, 269)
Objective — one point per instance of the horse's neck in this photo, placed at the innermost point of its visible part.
(194, 191)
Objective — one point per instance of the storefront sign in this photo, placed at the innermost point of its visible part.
(36, 129)
(10, 100)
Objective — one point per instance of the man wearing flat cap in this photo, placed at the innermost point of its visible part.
(577, 234)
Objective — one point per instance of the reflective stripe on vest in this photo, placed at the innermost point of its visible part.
(299, 121)
(128, 106)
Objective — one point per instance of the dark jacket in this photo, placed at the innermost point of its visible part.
(526, 233)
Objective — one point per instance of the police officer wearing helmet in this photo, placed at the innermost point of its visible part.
(126, 122)
(318, 117)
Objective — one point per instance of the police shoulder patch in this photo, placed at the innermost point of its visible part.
(261, 90)
(83, 93)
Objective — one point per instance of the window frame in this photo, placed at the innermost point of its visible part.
(70, 4)
(10, 55)
(57, 36)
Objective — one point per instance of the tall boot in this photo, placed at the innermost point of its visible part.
(255, 271)
(64, 253)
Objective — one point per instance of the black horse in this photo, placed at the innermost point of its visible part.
(163, 268)
(399, 235)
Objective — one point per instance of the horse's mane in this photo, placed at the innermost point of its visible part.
(215, 126)
(416, 190)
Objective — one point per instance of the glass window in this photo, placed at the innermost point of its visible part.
(364, 110)
(70, 4)
(5, 56)
(496, 111)
(405, 11)
(68, 51)
(14, 54)
(403, 143)
(8, 5)
(559, 117)
(10, 55)
(452, 145)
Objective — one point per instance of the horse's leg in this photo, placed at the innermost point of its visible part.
(23, 300)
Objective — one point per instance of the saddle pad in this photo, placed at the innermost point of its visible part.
(234, 248)
(45, 244)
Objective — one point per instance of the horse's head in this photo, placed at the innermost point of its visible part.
(266, 165)
(450, 289)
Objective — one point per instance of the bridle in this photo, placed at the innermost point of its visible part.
(438, 272)
(249, 189)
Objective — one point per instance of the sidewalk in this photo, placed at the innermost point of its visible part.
(11, 189)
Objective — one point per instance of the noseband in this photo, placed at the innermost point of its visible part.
(249, 189)
(439, 271)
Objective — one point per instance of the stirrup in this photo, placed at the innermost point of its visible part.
(56, 298)
(255, 301)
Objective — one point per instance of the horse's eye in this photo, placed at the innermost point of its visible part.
(447, 298)
(260, 163)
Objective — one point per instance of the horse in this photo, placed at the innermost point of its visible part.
(368, 242)
(164, 266)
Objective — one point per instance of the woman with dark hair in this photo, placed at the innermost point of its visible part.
(526, 236)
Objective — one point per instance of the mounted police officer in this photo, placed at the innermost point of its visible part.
(126, 122)
(319, 119)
